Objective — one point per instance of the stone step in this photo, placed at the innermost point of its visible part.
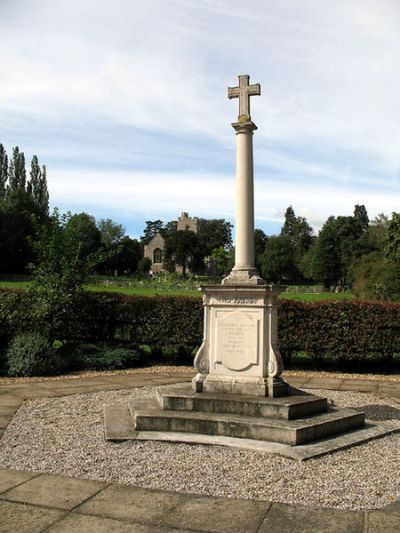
(148, 416)
(298, 404)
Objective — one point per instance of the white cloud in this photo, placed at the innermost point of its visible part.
(163, 195)
(328, 69)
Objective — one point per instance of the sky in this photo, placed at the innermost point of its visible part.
(125, 102)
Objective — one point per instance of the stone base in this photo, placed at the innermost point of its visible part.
(243, 277)
(251, 386)
(299, 425)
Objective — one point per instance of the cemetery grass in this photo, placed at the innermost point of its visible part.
(168, 289)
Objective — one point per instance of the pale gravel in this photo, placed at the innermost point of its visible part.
(65, 436)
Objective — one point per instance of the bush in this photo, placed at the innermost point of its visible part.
(97, 357)
(30, 354)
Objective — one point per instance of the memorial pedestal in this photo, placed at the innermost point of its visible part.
(239, 353)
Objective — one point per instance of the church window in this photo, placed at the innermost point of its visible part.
(157, 256)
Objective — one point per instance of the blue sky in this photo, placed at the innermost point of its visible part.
(125, 102)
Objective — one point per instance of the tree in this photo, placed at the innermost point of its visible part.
(326, 266)
(3, 171)
(392, 242)
(152, 228)
(81, 228)
(58, 274)
(17, 172)
(182, 248)
(298, 230)
(123, 257)
(223, 260)
(213, 234)
(277, 263)
(260, 242)
(37, 186)
(111, 233)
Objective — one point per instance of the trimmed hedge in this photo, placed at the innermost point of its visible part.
(340, 331)
(326, 331)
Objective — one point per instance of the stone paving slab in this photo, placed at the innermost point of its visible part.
(218, 515)
(131, 503)
(11, 478)
(22, 518)
(323, 383)
(54, 491)
(283, 518)
(382, 521)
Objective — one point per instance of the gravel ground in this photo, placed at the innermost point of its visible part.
(65, 436)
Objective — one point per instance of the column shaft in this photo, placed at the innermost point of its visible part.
(244, 253)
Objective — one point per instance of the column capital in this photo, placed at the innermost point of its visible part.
(244, 126)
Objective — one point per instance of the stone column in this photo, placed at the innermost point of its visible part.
(244, 271)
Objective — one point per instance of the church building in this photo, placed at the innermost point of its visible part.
(154, 250)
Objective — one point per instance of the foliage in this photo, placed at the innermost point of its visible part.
(30, 354)
(183, 248)
(104, 357)
(58, 276)
(152, 228)
(144, 265)
(392, 241)
(213, 234)
(223, 260)
(111, 233)
(374, 277)
(298, 230)
(340, 331)
(260, 242)
(277, 262)
(81, 229)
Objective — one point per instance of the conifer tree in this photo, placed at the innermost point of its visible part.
(3, 171)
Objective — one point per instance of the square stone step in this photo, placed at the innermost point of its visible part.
(148, 416)
(298, 404)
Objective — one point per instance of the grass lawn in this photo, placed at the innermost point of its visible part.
(154, 289)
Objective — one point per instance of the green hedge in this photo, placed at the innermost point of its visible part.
(326, 331)
(340, 331)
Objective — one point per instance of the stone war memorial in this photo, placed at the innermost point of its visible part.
(238, 397)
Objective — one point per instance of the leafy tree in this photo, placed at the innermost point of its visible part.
(392, 242)
(58, 274)
(3, 171)
(277, 263)
(124, 256)
(17, 172)
(111, 232)
(223, 260)
(37, 186)
(326, 266)
(81, 228)
(260, 242)
(213, 234)
(377, 232)
(182, 248)
(152, 228)
(144, 265)
(298, 230)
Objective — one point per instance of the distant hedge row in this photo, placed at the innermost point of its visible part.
(336, 331)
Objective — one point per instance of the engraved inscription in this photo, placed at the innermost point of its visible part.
(237, 300)
(237, 341)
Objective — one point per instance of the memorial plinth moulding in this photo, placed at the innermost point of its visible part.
(240, 353)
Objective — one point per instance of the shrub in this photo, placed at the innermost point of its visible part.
(102, 357)
(30, 354)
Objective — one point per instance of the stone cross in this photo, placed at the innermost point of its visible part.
(243, 92)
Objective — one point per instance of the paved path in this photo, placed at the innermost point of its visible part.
(32, 502)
